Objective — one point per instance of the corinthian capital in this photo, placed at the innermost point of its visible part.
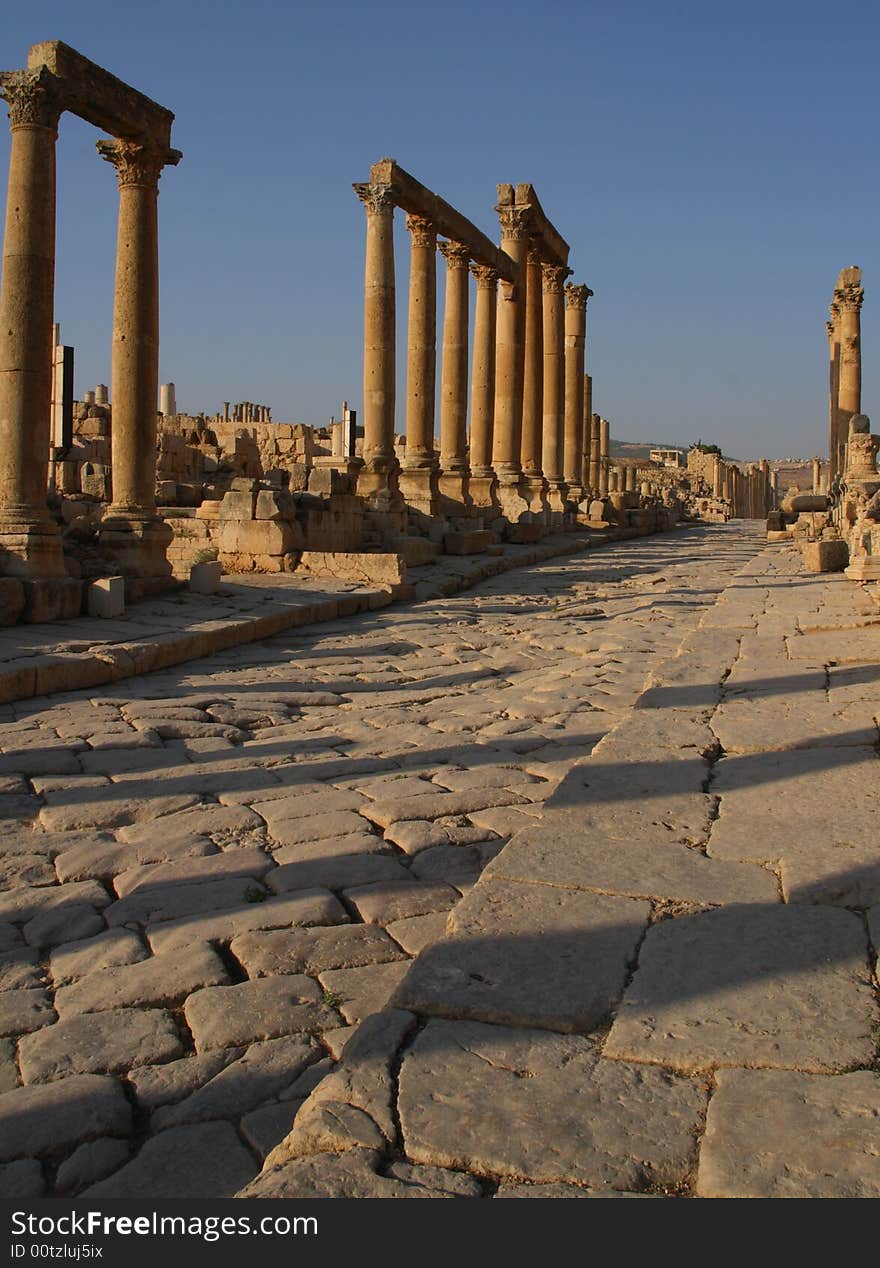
(136, 162)
(577, 296)
(849, 296)
(33, 96)
(423, 231)
(552, 278)
(487, 277)
(376, 198)
(514, 223)
(457, 254)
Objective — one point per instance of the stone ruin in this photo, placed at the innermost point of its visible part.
(143, 493)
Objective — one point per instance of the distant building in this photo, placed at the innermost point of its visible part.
(668, 457)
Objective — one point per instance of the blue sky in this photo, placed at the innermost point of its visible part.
(713, 166)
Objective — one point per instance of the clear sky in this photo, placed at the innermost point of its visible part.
(712, 165)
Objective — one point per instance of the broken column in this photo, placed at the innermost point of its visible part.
(167, 400)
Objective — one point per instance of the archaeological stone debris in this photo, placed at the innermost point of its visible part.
(450, 800)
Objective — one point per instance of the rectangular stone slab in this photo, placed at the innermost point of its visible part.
(531, 955)
(543, 1107)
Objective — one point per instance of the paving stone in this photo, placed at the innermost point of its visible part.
(162, 979)
(266, 1127)
(42, 1120)
(436, 805)
(19, 970)
(203, 1161)
(90, 1162)
(579, 1119)
(62, 924)
(783, 1134)
(561, 1191)
(414, 933)
(199, 821)
(8, 1066)
(112, 857)
(308, 907)
(95, 808)
(326, 849)
(353, 1106)
(260, 1075)
(316, 801)
(759, 986)
(316, 827)
(23, 1011)
(166, 1084)
(384, 902)
(234, 864)
(528, 955)
(364, 990)
(105, 951)
(21, 1180)
(25, 869)
(337, 873)
(170, 902)
(25, 902)
(229, 1016)
(312, 951)
(98, 1043)
(561, 854)
(349, 1175)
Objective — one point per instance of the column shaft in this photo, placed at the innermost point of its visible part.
(453, 382)
(507, 440)
(586, 431)
(595, 453)
(604, 461)
(575, 340)
(533, 372)
(483, 372)
(421, 366)
(554, 380)
(848, 298)
(379, 328)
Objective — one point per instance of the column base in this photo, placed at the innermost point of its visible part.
(533, 488)
(864, 568)
(137, 543)
(419, 488)
(556, 497)
(514, 507)
(482, 488)
(455, 498)
(30, 549)
(380, 486)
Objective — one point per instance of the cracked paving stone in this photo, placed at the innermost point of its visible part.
(363, 990)
(783, 1134)
(206, 1160)
(308, 907)
(162, 979)
(349, 1175)
(311, 951)
(99, 1043)
(166, 1084)
(529, 955)
(105, 951)
(230, 1016)
(758, 986)
(579, 1119)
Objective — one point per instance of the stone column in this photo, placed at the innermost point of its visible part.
(418, 479)
(834, 446)
(716, 476)
(531, 452)
(167, 400)
(378, 478)
(595, 453)
(131, 531)
(817, 475)
(586, 434)
(454, 471)
(848, 297)
(604, 439)
(575, 341)
(102, 394)
(774, 490)
(507, 439)
(554, 387)
(482, 482)
(30, 542)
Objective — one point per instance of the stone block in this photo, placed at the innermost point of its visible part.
(825, 556)
(377, 568)
(57, 599)
(472, 542)
(205, 578)
(259, 537)
(203, 1161)
(524, 534)
(42, 1120)
(276, 505)
(237, 506)
(106, 597)
(11, 600)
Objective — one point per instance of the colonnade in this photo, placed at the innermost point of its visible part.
(58, 79)
(519, 442)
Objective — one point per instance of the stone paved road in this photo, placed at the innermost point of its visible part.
(212, 876)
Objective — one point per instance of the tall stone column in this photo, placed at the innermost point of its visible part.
(30, 542)
(482, 482)
(554, 387)
(774, 490)
(454, 471)
(848, 297)
(418, 479)
(507, 440)
(531, 453)
(586, 433)
(595, 453)
(575, 341)
(378, 478)
(834, 447)
(817, 475)
(604, 460)
(131, 530)
(716, 476)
